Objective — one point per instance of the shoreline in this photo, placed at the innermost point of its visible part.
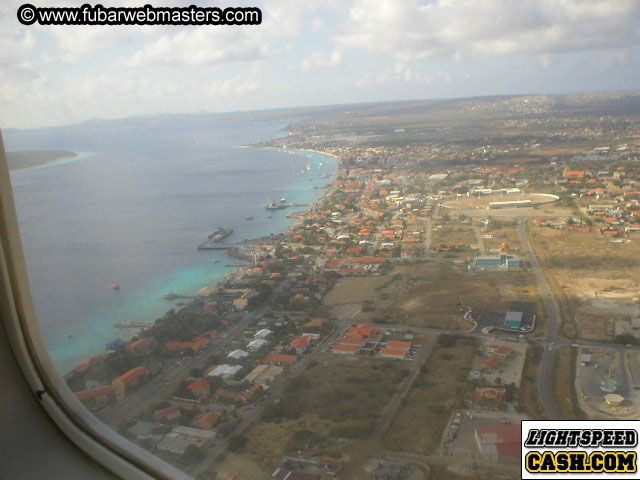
(288, 229)
(245, 243)
(73, 157)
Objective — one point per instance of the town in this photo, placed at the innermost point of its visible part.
(472, 264)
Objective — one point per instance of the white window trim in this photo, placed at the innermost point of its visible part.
(104, 445)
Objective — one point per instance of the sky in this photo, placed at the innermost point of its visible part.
(309, 52)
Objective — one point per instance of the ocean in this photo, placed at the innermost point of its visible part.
(132, 208)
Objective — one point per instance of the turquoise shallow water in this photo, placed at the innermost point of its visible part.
(134, 212)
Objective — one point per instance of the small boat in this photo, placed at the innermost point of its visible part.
(115, 286)
(269, 216)
(69, 335)
(249, 218)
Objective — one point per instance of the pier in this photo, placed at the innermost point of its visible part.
(212, 245)
(133, 324)
(171, 296)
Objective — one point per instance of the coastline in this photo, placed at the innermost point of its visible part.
(288, 229)
(238, 270)
(72, 157)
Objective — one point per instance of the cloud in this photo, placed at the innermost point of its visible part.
(409, 30)
(52, 75)
(322, 61)
(212, 45)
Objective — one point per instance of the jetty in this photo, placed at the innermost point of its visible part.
(134, 324)
(210, 244)
(282, 204)
(171, 296)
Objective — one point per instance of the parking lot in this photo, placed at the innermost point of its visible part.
(459, 438)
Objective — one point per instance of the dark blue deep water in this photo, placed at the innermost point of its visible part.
(131, 209)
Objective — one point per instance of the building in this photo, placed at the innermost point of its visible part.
(96, 396)
(240, 304)
(195, 432)
(207, 420)
(170, 414)
(365, 332)
(489, 363)
(225, 371)
(437, 177)
(300, 344)
(238, 354)
(490, 395)
(501, 260)
(200, 388)
(256, 344)
(613, 399)
(140, 346)
(284, 474)
(397, 344)
(345, 349)
(191, 347)
(281, 359)
(499, 443)
(511, 204)
(127, 380)
(246, 397)
(177, 443)
(145, 430)
(264, 333)
(513, 319)
(354, 341)
(397, 353)
(499, 351)
(264, 374)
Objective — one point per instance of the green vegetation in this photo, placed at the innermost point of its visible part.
(348, 395)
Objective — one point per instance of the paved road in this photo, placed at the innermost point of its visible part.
(553, 313)
(139, 400)
(480, 240)
(252, 415)
(427, 237)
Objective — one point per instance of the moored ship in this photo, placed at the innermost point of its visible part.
(279, 205)
(219, 234)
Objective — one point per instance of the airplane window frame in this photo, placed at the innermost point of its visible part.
(19, 318)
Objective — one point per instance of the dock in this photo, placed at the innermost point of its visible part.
(134, 324)
(212, 245)
(171, 296)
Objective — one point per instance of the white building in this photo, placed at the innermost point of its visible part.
(256, 344)
(264, 333)
(238, 354)
(225, 371)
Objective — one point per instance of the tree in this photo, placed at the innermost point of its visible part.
(237, 442)
(193, 454)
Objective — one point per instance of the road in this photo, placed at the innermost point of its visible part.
(252, 415)
(480, 241)
(545, 386)
(427, 237)
(138, 401)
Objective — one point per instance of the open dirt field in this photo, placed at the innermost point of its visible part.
(339, 398)
(435, 294)
(437, 391)
(564, 390)
(598, 281)
(351, 290)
